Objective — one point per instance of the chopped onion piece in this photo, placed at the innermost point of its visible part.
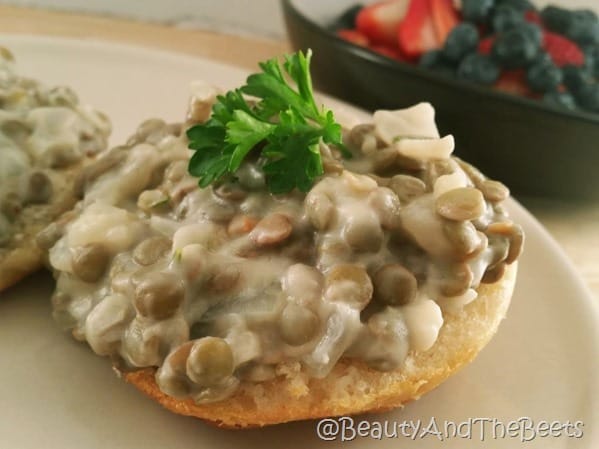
(445, 183)
(417, 121)
(424, 320)
(203, 96)
(426, 149)
(202, 91)
(342, 327)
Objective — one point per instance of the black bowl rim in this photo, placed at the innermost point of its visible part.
(415, 70)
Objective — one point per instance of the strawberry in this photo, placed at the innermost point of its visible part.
(426, 26)
(562, 50)
(379, 21)
(354, 36)
(445, 17)
(513, 82)
(485, 45)
(385, 50)
(416, 32)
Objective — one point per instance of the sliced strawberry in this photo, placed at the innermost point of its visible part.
(389, 52)
(354, 36)
(485, 45)
(562, 50)
(513, 82)
(416, 33)
(379, 21)
(445, 17)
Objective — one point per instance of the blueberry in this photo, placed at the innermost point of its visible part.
(534, 31)
(581, 26)
(515, 48)
(588, 97)
(556, 19)
(477, 10)
(576, 77)
(506, 18)
(462, 40)
(584, 27)
(436, 62)
(591, 58)
(544, 77)
(543, 58)
(519, 5)
(562, 100)
(479, 69)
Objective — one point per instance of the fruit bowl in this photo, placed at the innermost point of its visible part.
(534, 148)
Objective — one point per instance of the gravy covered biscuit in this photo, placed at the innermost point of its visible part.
(316, 271)
(46, 135)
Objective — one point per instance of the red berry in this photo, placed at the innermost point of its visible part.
(379, 21)
(354, 36)
(562, 50)
(513, 82)
(485, 45)
(415, 33)
(445, 17)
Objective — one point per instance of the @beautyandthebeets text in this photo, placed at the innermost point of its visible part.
(522, 429)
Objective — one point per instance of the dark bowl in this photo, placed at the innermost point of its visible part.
(535, 149)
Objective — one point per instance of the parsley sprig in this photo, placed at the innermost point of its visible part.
(284, 124)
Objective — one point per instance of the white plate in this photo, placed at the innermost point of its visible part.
(54, 393)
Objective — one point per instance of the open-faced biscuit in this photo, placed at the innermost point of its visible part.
(247, 308)
(46, 137)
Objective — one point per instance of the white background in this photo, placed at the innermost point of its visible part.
(262, 17)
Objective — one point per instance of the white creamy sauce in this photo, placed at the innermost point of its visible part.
(41, 129)
(425, 226)
(221, 285)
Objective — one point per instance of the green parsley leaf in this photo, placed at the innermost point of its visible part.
(245, 132)
(284, 124)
